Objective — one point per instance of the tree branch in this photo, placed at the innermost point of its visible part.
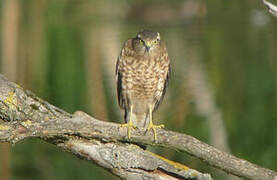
(105, 143)
(272, 9)
(26, 115)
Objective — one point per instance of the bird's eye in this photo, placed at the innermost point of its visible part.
(155, 42)
(141, 41)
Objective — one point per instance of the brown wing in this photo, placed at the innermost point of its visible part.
(158, 102)
(125, 52)
(119, 83)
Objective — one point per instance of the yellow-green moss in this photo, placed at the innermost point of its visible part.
(18, 86)
(11, 100)
(3, 127)
(27, 123)
(194, 174)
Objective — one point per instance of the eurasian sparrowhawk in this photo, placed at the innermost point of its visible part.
(142, 71)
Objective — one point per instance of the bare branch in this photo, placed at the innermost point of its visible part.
(105, 143)
(26, 115)
(271, 8)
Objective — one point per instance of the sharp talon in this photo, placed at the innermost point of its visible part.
(129, 126)
(154, 127)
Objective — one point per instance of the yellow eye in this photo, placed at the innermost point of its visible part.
(155, 42)
(141, 41)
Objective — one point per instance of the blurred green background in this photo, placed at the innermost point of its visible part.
(222, 90)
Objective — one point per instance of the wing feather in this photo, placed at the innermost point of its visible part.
(158, 102)
(119, 83)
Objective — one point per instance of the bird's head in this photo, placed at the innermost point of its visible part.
(147, 41)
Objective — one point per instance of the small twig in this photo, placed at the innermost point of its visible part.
(271, 8)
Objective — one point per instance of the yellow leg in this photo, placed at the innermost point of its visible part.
(130, 124)
(152, 126)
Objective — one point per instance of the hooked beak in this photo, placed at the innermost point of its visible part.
(147, 46)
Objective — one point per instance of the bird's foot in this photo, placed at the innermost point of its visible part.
(129, 126)
(154, 127)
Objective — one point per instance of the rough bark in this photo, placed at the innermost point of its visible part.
(105, 143)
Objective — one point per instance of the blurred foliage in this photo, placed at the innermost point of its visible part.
(235, 41)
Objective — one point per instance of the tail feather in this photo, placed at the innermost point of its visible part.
(139, 120)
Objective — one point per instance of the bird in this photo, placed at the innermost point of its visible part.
(142, 75)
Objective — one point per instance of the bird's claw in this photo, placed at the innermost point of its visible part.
(154, 127)
(129, 126)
